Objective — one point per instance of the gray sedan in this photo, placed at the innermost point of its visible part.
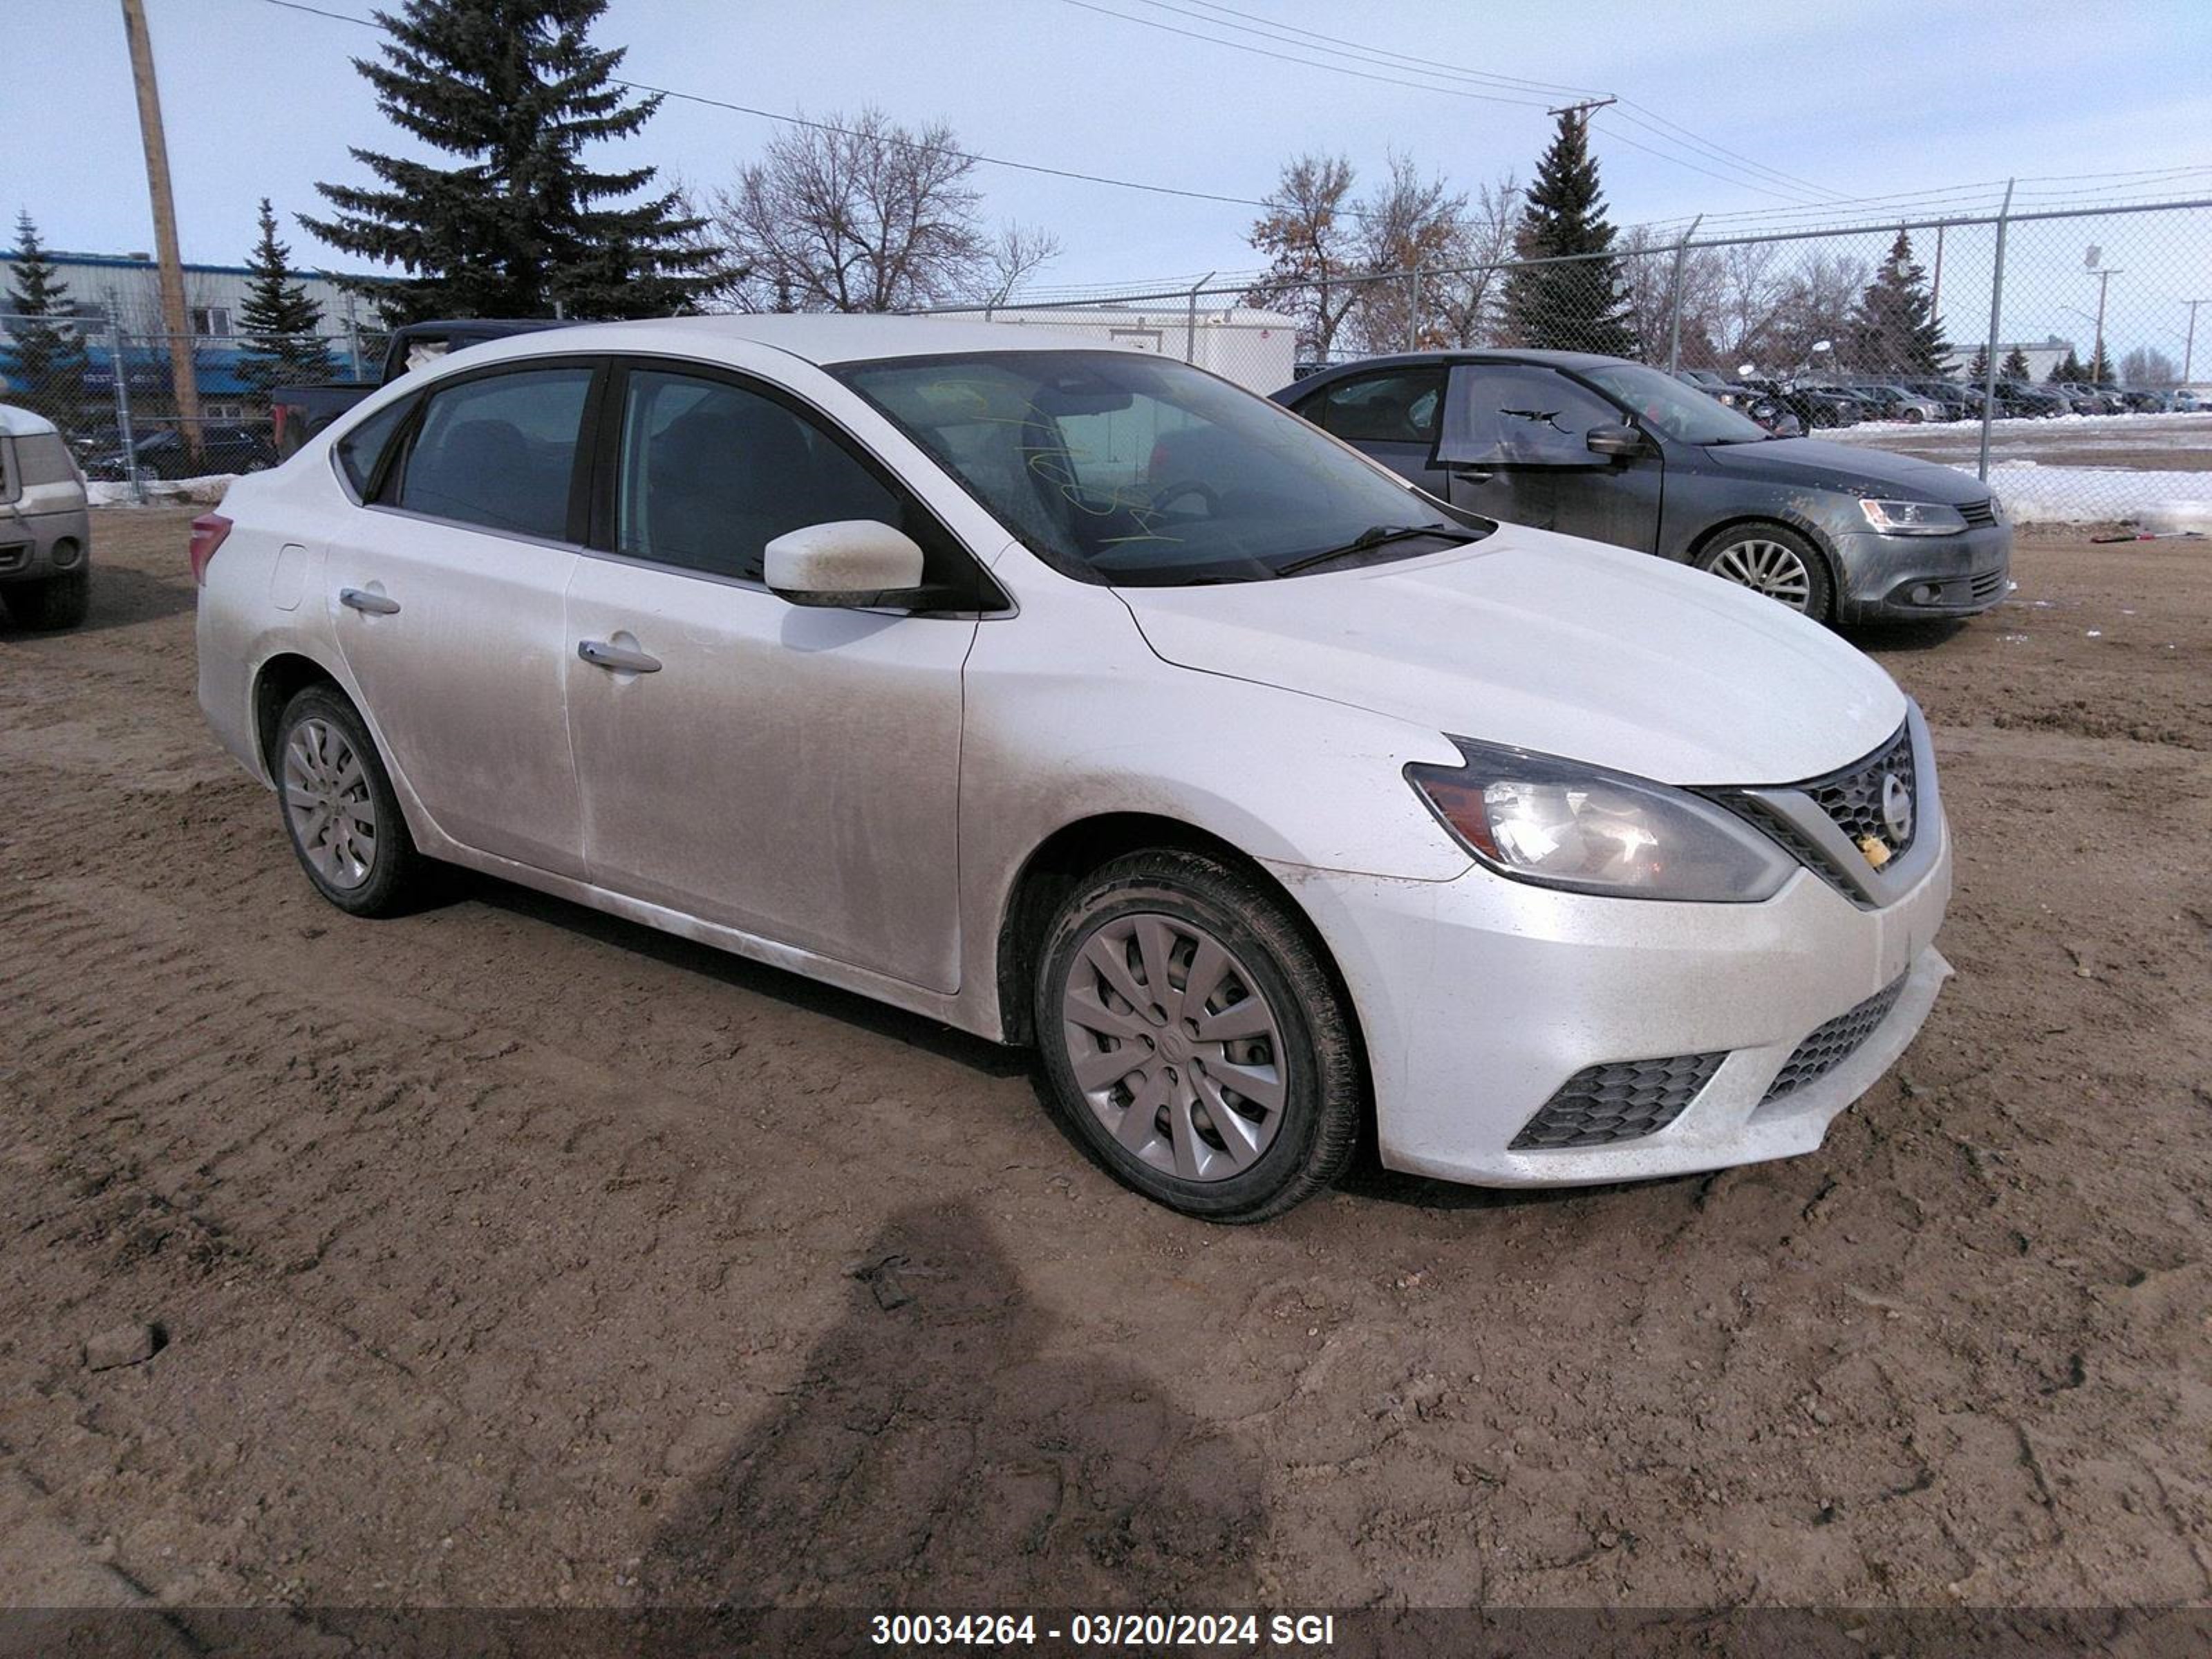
(1603, 448)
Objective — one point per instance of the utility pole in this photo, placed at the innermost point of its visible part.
(2103, 276)
(2189, 351)
(1588, 107)
(174, 319)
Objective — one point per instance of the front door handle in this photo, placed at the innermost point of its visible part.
(600, 654)
(374, 605)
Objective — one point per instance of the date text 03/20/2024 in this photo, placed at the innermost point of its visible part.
(1105, 1629)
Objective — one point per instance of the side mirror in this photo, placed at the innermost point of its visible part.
(851, 563)
(1615, 440)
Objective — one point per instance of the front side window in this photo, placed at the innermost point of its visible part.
(709, 473)
(1524, 414)
(498, 451)
(1398, 406)
(1668, 407)
(1131, 469)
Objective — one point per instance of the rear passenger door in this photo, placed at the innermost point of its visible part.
(789, 772)
(1392, 414)
(446, 591)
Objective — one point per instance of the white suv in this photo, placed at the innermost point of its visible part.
(1077, 698)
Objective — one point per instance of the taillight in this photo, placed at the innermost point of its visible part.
(208, 531)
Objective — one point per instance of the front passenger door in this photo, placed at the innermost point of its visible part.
(789, 772)
(1514, 447)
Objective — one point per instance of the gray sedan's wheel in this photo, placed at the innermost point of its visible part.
(52, 602)
(1770, 560)
(340, 809)
(1193, 1037)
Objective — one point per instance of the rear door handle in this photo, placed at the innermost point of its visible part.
(374, 604)
(600, 654)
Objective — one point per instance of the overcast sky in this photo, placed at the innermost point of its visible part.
(1857, 99)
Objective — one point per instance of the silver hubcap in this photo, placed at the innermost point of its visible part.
(1174, 1048)
(326, 796)
(1767, 568)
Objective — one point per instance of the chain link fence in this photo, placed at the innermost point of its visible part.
(116, 396)
(2052, 352)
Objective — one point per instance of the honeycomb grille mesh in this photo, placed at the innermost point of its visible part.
(1832, 1044)
(1852, 797)
(1618, 1101)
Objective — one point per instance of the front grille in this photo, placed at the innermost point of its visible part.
(15, 557)
(1984, 511)
(1852, 797)
(1834, 1043)
(1986, 585)
(1621, 1101)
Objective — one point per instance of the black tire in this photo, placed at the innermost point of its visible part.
(395, 871)
(1319, 1066)
(52, 601)
(1822, 418)
(1820, 596)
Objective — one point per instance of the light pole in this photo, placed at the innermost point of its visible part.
(2103, 274)
(2189, 351)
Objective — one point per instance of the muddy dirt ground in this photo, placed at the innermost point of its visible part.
(508, 1255)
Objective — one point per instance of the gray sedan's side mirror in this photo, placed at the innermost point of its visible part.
(856, 563)
(1615, 440)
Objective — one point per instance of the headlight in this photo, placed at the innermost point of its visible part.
(1560, 823)
(1912, 518)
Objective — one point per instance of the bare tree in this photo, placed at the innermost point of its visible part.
(1750, 291)
(861, 214)
(1013, 257)
(1815, 304)
(1466, 295)
(1312, 237)
(1406, 223)
(2147, 366)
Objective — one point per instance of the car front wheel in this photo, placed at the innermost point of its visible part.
(1778, 562)
(49, 602)
(1192, 1034)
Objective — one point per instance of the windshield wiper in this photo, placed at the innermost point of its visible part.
(1375, 536)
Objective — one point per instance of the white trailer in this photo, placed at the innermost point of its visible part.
(1257, 350)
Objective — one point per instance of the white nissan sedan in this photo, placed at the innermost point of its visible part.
(1078, 699)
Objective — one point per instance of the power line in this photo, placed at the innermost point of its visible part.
(1461, 72)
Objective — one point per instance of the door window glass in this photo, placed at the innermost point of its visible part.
(499, 451)
(711, 473)
(359, 449)
(1397, 406)
(1507, 413)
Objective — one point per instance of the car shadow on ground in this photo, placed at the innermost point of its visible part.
(121, 597)
(939, 1440)
(795, 990)
(1906, 636)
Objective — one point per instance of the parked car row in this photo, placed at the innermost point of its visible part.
(223, 447)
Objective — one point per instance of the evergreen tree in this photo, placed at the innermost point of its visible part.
(522, 228)
(1979, 370)
(1577, 306)
(2098, 371)
(46, 362)
(282, 327)
(2067, 369)
(2014, 367)
(1894, 327)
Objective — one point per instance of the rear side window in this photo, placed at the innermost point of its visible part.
(1395, 406)
(709, 473)
(498, 451)
(359, 449)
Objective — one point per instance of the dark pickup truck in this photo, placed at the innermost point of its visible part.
(299, 412)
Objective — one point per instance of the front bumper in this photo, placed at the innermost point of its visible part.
(1900, 578)
(1481, 997)
(34, 544)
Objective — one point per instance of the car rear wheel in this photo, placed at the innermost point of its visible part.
(1192, 1037)
(52, 602)
(340, 809)
(1778, 562)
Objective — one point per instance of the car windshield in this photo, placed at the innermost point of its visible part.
(1659, 400)
(1138, 473)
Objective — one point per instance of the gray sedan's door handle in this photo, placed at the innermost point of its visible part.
(374, 604)
(600, 654)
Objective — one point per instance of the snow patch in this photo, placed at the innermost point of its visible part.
(2031, 493)
(162, 492)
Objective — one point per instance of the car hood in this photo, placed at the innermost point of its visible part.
(1846, 467)
(1553, 644)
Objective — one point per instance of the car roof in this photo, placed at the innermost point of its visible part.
(1480, 354)
(16, 422)
(818, 338)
